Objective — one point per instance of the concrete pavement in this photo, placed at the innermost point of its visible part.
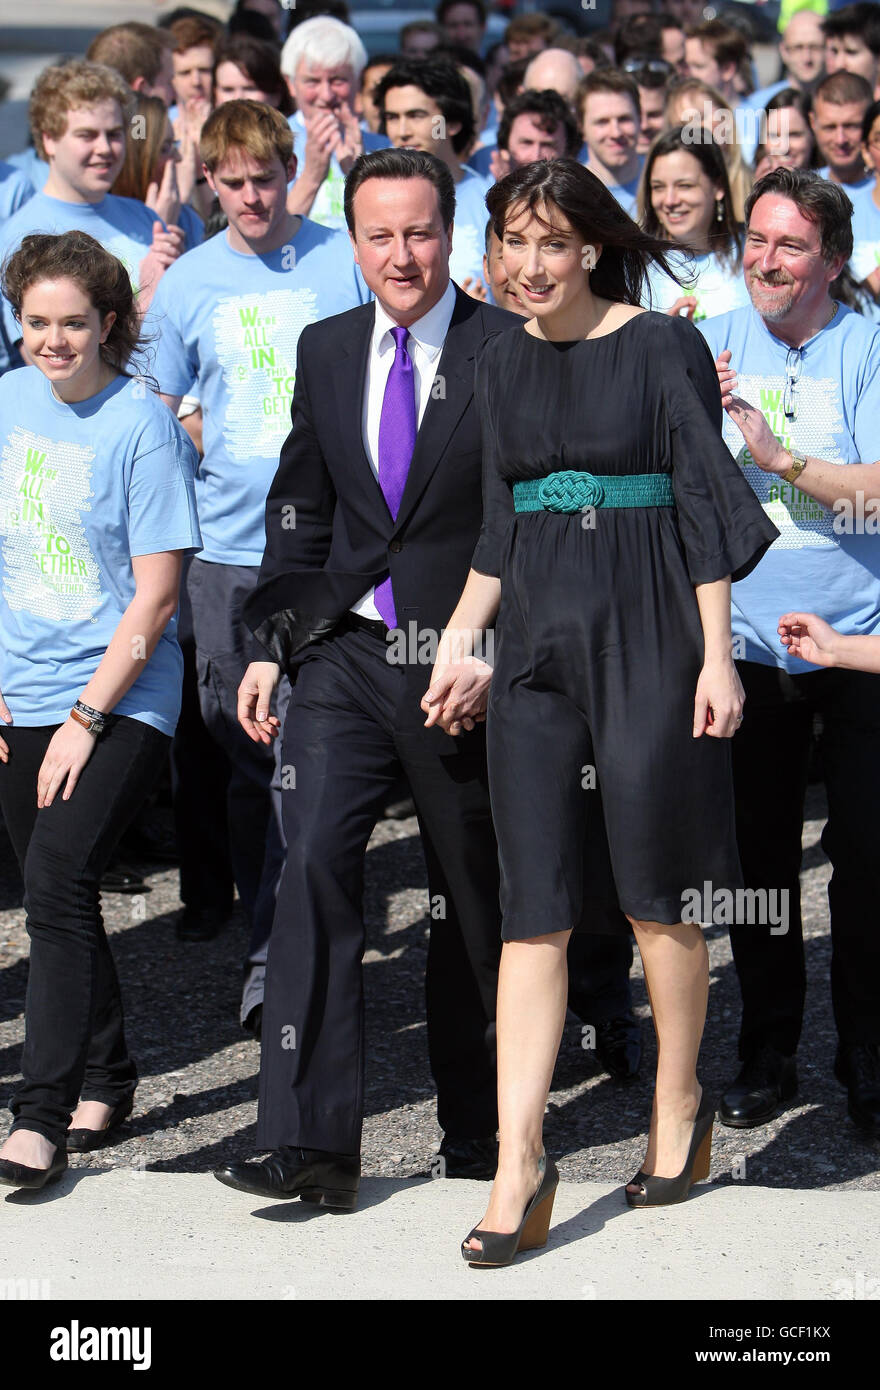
(127, 1233)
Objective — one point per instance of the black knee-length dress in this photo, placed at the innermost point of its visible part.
(600, 792)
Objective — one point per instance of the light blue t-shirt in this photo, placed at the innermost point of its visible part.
(626, 193)
(123, 226)
(716, 287)
(866, 233)
(469, 227)
(327, 209)
(810, 567)
(83, 488)
(15, 190)
(849, 188)
(230, 323)
(29, 163)
(192, 226)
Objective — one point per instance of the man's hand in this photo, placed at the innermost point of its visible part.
(350, 143)
(322, 138)
(500, 164)
(762, 444)
(809, 637)
(254, 700)
(475, 288)
(167, 245)
(70, 748)
(458, 695)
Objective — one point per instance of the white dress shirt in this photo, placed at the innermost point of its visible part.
(424, 345)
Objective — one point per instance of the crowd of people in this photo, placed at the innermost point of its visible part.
(493, 426)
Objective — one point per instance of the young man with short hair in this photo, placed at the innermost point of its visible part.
(229, 321)
(78, 113)
(140, 54)
(714, 52)
(322, 61)
(839, 105)
(421, 37)
(426, 105)
(852, 42)
(463, 22)
(610, 121)
(536, 125)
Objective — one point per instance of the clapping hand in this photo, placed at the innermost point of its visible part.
(350, 143)
(164, 198)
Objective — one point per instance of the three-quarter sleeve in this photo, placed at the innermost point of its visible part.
(722, 524)
(498, 509)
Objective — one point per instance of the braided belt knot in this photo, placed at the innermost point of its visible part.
(570, 492)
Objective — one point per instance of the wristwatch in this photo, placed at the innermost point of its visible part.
(798, 464)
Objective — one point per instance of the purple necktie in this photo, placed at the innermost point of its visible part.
(397, 439)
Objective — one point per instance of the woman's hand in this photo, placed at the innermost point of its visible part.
(684, 301)
(719, 700)
(69, 750)
(458, 695)
(7, 719)
(254, 698)
(809, 637)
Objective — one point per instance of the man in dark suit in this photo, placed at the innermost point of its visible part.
(370, 527)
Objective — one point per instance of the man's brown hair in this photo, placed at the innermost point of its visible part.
(133, 49)
(260, 131)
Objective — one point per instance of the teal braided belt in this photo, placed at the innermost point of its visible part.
(572, 492)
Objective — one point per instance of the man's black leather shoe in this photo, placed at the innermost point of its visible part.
(327, 1179)
(765, 1085)
(619, 1047)
(468, 1158)
(201, 923)
(857, 1067)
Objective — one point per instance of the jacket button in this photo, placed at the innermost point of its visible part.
(395, 547)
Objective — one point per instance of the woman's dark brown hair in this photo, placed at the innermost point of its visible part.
(725, 240)
(104, 279)
(621, 271)
(260, 62)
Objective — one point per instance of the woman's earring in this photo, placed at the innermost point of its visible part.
(719, 209)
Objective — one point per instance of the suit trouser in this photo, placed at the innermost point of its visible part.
(770, 763)
(225, 647)
(598, 976)
(348, 732)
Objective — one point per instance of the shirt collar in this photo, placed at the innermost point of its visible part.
(429, 331)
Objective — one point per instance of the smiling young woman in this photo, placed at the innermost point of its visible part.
(97, 507)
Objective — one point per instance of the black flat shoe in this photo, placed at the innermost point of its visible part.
(32, 1179)
(619, 1047)
(468, 1158)
(327, 1179)
(122, 878)
(857, 1067)
(81, 1141)
(761, 1091)
(500, 1247)
(663, 1192)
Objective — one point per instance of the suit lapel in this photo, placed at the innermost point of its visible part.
(350, 384)
(451, 392)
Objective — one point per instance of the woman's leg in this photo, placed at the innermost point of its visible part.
(676, 964)
(69, 984)
(532, 993)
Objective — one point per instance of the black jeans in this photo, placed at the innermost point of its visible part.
(74, 1037)
(770, 763)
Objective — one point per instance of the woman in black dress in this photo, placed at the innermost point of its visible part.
(615, 518)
